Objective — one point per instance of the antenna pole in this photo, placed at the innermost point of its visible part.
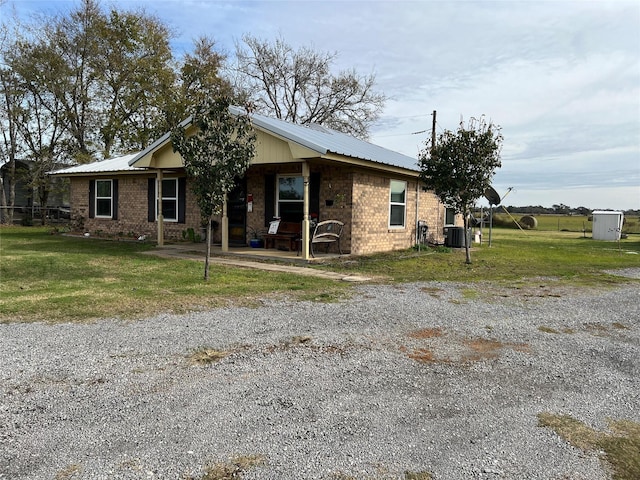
(490, 223)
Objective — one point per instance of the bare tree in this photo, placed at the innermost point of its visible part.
(299, 86)
(11, 95)
(41, 129)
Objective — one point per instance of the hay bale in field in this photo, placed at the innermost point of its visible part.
(529, 222)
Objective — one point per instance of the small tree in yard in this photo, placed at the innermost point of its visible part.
(215, 156)
(459, 168)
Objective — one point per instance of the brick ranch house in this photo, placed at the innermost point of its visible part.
(299, 173)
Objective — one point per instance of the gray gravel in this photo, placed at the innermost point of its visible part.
(331, 391)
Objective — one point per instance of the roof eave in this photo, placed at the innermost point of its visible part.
(62, 173)
(367, 162)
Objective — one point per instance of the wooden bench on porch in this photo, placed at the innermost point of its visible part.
(286, 233)
(326, 233)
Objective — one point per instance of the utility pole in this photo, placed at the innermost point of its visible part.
(433, 132)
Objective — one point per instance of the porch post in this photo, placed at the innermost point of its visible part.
(305, 211)
(225, 226)
(159, 209)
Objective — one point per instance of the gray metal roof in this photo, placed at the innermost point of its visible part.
(315, 137)
(325, 140)
(117, 164)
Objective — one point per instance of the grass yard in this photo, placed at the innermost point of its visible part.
(58, 278)
(513, 257)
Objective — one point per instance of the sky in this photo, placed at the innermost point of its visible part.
(561, 78)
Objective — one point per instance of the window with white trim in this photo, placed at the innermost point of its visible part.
(290, 198)
(104, 199)
(449, 216)
(169, 199)
(397, 203)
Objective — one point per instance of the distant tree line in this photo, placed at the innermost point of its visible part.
(96, 83)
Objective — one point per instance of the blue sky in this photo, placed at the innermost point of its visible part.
(561, 78)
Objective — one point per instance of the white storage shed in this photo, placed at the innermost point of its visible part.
(607, 225)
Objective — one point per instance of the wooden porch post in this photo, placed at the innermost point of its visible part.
(305, 211)
(159, 209)
(225, 226)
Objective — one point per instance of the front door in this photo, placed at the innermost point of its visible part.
(237, 214)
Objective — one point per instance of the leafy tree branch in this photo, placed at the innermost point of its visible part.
(215, 155)
(459, 168)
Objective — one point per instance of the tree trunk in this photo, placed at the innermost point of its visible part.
(12, 191)
(43, 194)
(466, 238)
(208, 254)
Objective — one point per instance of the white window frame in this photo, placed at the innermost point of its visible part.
(402, 204)
(166, 219)
(110, 198)
(446, 210)
(278, 200)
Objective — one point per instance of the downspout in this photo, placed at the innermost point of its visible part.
(159, 209)
(305, 211)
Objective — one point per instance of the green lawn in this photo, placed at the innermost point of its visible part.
(513, 256)
(59, 278)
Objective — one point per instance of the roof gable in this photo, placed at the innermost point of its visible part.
(316, 140)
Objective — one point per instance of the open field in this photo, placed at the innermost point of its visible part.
(58, 278)
(567, 223)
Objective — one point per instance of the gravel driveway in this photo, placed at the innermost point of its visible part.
(430, 377)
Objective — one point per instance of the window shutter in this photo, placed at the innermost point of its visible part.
(269, 198)
(151, 199)
(114, 193)
(182, 199)
(92, 198)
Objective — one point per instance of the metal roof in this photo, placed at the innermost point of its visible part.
(318, 138)
(117, 164)
(325, 140)
(315, 137)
